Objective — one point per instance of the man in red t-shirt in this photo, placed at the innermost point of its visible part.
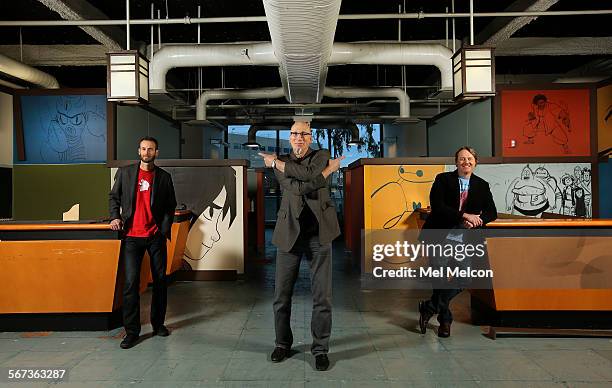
(142, 203)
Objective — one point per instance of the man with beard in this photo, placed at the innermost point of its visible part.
(142, 203)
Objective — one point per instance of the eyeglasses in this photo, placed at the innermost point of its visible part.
(302, 134)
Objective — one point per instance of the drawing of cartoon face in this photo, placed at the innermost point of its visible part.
(71, 115)
(567, 180)
(586, 176)
(412, 174)
(207, 229)
(526, 174)
(542, 173)
(577, 174)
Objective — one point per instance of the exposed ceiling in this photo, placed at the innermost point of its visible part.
(542, 49)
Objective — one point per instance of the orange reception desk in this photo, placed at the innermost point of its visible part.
(68, 275)
(547, 272)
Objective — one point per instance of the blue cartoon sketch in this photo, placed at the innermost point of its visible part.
(73, 127)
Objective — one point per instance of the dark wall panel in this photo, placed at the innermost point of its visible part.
(44, 192)
(6, 192)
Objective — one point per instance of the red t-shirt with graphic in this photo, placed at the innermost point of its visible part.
(143, 223)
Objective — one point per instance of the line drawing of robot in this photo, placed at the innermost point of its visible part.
(70, 130)
(404, 177)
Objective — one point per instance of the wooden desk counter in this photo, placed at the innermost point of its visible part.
(51, 268)
(68, 275)
(570, 273)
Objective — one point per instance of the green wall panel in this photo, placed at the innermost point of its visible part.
(44, 192)
(469, 125)
(133, 123)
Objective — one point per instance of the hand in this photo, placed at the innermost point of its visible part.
(116, 224)
(467, 224)
(474, 219)
(268, 158)
(334, 164)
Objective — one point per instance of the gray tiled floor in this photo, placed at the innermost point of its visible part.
(223, 333)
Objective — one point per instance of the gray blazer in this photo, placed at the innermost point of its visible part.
(303, 179)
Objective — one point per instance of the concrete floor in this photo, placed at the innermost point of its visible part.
(223, 334)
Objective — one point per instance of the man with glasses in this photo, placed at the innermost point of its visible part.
(306, 226)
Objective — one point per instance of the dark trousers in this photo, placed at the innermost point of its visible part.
(440, 303)
(133, 252)
(287, 268)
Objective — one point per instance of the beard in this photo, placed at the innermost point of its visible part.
(146, 159)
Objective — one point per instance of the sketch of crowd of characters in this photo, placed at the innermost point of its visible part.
(70, 123)
(535, 192)
(548, 118)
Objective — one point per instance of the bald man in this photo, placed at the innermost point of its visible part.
(306, 226)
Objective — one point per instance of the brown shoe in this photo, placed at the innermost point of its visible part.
(444, 330)
(424, 317)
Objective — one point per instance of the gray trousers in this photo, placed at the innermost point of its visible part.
(287, 268)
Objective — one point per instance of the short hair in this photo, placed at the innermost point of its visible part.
(149, 138)
(468, 149)
(539, 97)
(302, 122)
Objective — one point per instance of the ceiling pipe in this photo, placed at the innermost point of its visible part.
(227, 54)
(224, 94)
(27, 73)
(302, 35)
(262, 54)
(252, 19)
(375, 53)
(398, 93)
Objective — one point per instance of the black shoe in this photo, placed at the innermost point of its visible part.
(161, 331)
(279, 354)
(424, 317)
(129, 341)
(321, 362)
(444, 330)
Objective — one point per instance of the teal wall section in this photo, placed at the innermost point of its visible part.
(469, 125)
(133, 123)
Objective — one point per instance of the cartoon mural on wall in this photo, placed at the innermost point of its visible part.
(604, 117)
(397, 191)
(531, 189)
(545, 122)
(548, 118)
(215, 197)
(64, 129)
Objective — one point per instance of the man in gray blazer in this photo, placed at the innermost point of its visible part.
(306, 226)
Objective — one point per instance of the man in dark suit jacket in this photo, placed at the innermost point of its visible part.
(306, 225)
(142, 203)
(459, 200)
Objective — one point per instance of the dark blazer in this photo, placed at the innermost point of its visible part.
(444, 201)
(123, 197)
(302, 182)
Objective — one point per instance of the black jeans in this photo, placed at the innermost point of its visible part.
(287, 268)
(133, 249)
(444, 290)
(440, 303)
